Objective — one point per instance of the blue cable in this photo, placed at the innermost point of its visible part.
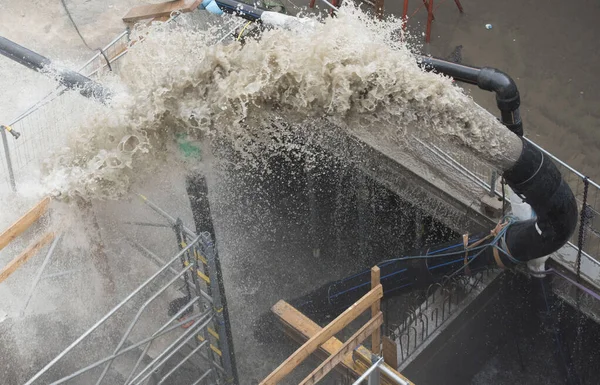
(480, 250)
(365, 283)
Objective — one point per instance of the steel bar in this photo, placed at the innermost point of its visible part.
(202, 377)
(392, 376)
(61, 273)
(110, 313)
(183, 361)
(368, 372)
(454, 164)
(561, 162)
(165, 325)
(375, 377)
(128, 349)
(214, 363)
(109, 45)
(165, 215)
(160, 262)
(11, 173)
(493, 179)
(166, 354)
(137, 317)
(333, 7)
(41, 271)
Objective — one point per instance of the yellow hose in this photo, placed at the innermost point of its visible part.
(242, 31)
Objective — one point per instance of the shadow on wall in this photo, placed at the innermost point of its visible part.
(516, 331)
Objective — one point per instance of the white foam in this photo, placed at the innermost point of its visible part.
(351, 70)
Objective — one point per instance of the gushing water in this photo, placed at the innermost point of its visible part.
(350, 71)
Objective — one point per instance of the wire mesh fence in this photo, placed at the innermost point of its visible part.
(44, 126)
(485, 176)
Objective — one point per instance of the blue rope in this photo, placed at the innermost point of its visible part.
(366, 283)
(480, 249)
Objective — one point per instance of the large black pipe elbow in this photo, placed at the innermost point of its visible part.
(68, 78)
(536, 179)
(489, 79)
(507, 96)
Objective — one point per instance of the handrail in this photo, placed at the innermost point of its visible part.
(110, 313)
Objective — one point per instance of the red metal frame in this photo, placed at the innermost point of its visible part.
(404, 15)
(430, 17)
(459, 5)
(379, 9)
(429, 20)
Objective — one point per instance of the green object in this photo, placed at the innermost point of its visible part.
(274, 6)
(187, 148)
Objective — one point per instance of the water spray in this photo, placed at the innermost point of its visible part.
(68, 78)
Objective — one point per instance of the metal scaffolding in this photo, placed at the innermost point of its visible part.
(194, 335)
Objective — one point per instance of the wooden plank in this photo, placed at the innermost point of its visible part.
(354, 341)
(322, 336)
(149, 11)
(390, 352)
(24, 222)
(306, 328)
(24, 256)
(375, 309)
(362, 357)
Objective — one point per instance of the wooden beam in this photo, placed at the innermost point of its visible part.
(363, 361)
(321, 337)
(375, 309)
(305, 328)
(390, 352)
(24, 222)
(150, 11)
(354, 341)
(24, 256)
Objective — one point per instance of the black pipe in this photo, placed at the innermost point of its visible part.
(68, 78)
(489, 79)
(535, 178)
(248, 12)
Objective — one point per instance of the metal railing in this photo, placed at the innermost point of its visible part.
(485, 177)
(442, 303)
(44, 125)
(374, 373)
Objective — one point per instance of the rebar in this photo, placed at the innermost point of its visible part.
(41, 271)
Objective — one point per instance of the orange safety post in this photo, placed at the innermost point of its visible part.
(335, 4)
(379, 9)
(428, 6)
(429, 20)
(312, 4)
(404, 15)
(375, 310)
(459, 5)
